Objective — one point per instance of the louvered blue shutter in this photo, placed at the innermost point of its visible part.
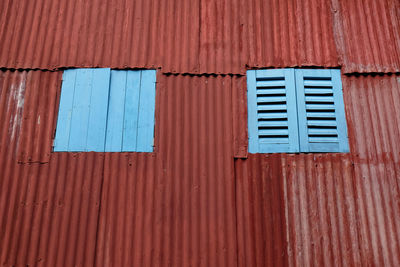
(321, 117)
(272, 119)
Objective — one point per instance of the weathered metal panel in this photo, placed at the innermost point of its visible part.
(171, 207)
(202, 36)
(175, 207)
(49, 204)
(276, 33)
(28, 110)
(49, 212)
(180, 36)
(190, 202)
(50, 34)
(367, 35)
(329, 209)
(261, 221)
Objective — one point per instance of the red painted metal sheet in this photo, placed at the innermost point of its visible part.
(49, 212)
(28, 110)
(261, 221)
(49, 205)
(48, 34)
(367, 35)
(175, 207)
(190, 202)
(329, 209)
(287, 33)
(202, 36)
(180, 36)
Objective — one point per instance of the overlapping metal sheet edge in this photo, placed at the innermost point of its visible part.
(337, 209)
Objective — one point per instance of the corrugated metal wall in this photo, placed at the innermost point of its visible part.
(200, 199)
(367, 35)
(329, 209)
(49, 205)
(202, 36)
(176, 205)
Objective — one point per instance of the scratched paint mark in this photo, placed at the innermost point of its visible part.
(18, 95)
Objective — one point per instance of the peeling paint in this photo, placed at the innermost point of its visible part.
(19, 98)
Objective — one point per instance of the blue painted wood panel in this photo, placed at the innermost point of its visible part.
(272, 119)
(296, 110)
(252, 111)
(116, 111)
(98, 110)
(145, 136)
(65, 111)
(81, 109)
(322, 122)
(131, 110)
(103, 110)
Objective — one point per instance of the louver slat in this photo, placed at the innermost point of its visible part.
(321, 118)
(272, 111)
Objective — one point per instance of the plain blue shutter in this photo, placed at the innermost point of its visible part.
(272, 109)
(103, 110)
(130, 124)
(83, 110)
(321, 117)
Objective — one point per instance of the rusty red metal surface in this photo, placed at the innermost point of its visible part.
(200, 199)
(328, 209)
(49, 205)
(202, 36)
(190, 202)
(174, 206)
(367, 35)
